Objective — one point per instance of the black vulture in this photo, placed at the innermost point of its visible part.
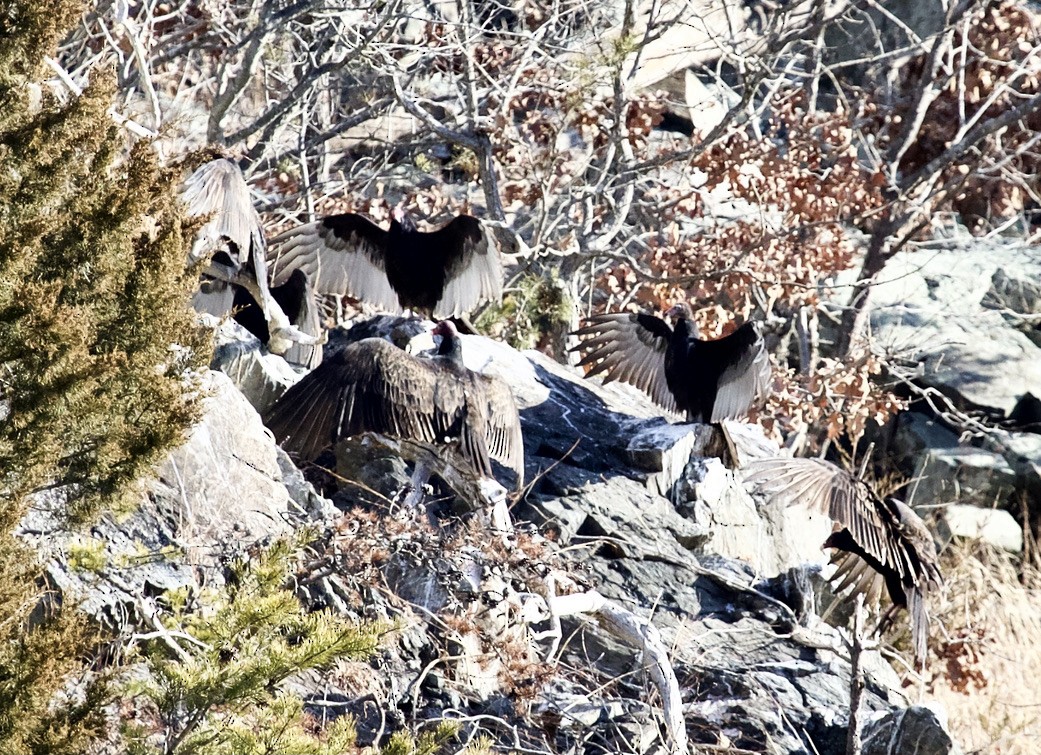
(443, 273)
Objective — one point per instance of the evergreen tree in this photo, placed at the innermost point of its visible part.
(96, 343)
(96, 336)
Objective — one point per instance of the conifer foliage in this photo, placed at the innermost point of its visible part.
(219, 693)
(96, 337)
(93, 294)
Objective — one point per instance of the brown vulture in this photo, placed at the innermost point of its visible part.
(879, 540)
(708, 381)
(443, 273)
(236, 279)
(373, 386)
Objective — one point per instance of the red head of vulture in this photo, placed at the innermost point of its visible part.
(373, 386)
(880, 540)
(708, 381)
(236, 280)
(443, 273)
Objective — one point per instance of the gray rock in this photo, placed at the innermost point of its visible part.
(929, 306)
(225, 488)
(1015, 294)
(915, 434)
(225, 480)
(260, 376)
(994, 526)
(663, 450)
(964, 475)
(1022, 451)
(909, 731)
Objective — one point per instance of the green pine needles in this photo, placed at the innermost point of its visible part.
(96, 345)
(214, 676)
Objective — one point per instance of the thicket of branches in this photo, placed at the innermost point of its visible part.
(825, 136)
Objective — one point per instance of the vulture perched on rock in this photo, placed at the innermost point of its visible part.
(236, 279)
(708, 381)
(373, 386)
(878, 540)
(441, 274)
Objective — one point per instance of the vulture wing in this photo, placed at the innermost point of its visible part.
(886, 534)
(473, 270)
(218, 190)
(503, 429)
(745, 374)
(372, 386)
(631, 348)
(216, 297)
(823, 487)
(341, 254)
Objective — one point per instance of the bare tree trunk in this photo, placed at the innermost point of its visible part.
(856, 679)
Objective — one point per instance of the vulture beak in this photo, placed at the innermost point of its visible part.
(674, 311)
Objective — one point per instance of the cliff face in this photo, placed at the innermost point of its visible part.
(643, 599)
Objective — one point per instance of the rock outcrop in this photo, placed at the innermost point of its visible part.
(625, 512)
(959, 320)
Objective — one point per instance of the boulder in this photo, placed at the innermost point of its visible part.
(963, 475)
(994, 526)
(227, 487)
(259, 375)
(1017, 296)
(915, 434)
(935, 307)
(916, 729)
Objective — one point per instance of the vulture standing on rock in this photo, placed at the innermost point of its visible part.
(236, 279)
(880, 540)
(443, 273)
(708, 381)
(373, 386)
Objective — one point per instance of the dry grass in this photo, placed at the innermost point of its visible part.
(987, 639)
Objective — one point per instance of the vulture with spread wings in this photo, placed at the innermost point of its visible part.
(373, 386)
(708, 381)
(236, 279)
(879, 540)
(443, 273)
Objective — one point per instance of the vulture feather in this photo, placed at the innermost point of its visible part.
(708, 381)
(443, 273)
(236, 281)
(218, 189)
(881, 541)
(373, 386)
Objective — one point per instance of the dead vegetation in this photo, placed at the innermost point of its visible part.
(987, 645)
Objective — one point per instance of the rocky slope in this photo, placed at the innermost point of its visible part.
(638, 561)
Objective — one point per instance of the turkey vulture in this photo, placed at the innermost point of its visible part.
(371, 385)
(444, 273)
(881, 540)
(708, 381)
(232, 240)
